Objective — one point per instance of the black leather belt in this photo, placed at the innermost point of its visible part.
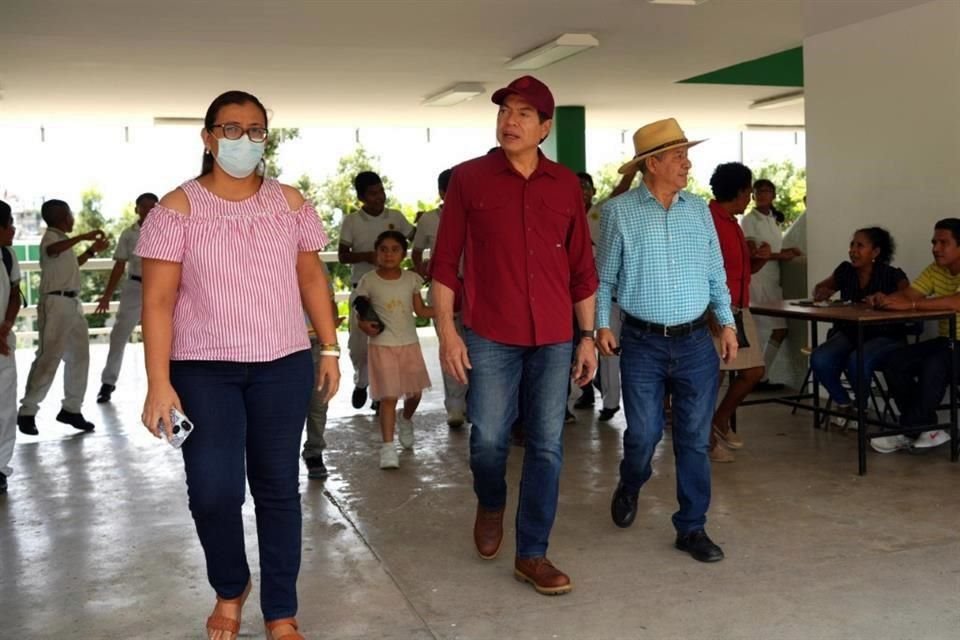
(65, 294)
(675, 331)
(136, 278)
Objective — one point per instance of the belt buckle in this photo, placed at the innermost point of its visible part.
(666, 331)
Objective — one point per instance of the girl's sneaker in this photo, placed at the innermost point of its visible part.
(405, 431)
(389, 458)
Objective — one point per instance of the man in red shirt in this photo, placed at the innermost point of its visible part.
(517, 220)
(732, 187)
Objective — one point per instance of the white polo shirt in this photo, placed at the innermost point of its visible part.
(60, 272)
(359, 231)
(426, 237)
(125, 250)
(6, 283)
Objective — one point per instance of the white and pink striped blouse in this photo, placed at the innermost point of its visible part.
(239, 300)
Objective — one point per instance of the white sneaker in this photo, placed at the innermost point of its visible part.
(930, 439)
(889, 444)
(405, 429)
(455, 419)
(389, 458)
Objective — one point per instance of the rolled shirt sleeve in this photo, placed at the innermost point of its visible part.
(583, 267)
(451, 237)
(610, 253)
(716, 273)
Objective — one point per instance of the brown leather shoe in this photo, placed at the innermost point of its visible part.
(488, 532)
(544, 577)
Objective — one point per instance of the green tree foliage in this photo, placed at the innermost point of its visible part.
(271, 155)
(88, 218)
(791, 183)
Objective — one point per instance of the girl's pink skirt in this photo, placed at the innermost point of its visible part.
(396, 372)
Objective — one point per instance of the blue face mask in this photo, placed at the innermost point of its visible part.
(240, 157)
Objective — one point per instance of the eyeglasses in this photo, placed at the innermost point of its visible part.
(235, 132)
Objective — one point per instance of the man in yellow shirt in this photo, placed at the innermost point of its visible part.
(919, 374)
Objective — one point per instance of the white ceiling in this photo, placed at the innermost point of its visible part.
(371, 62)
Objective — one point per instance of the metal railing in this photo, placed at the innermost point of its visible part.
(29, 313)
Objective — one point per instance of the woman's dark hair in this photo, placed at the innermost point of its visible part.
(391, 234)
(881, 239)
(6, 215)
(365, 180)
(728, 180)
(222, 100)
(950, 224)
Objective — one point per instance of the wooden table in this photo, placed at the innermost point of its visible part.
(860, 316)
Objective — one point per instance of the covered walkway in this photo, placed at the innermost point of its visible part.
(96, 540)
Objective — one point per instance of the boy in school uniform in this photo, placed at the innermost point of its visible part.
(454, 393)
(9, 307)
(64, 334)
(131, 296)
(358, 233)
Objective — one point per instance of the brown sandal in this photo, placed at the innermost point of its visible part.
(217, 622)
(292, 634)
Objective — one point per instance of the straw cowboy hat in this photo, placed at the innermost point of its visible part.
(655, 137)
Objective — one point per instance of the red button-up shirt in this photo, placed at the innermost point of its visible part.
(525, 246)
(736, 255)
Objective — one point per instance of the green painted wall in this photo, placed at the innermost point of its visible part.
(784, 69)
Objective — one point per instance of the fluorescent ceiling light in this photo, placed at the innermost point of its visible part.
(775, 102)
(774, 127)
(455, 95)
(563, 47)
(192, 122)
(682, 3)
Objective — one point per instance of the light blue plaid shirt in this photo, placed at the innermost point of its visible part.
(665, 266)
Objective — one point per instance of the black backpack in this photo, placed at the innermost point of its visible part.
(8, 265)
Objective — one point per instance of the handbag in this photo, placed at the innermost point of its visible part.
(742, 342)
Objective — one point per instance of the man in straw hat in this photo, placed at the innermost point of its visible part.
(517, 220)
(659, 251)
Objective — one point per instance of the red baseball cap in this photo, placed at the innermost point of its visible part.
(531, 90)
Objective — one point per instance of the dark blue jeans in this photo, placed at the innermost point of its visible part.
(500, 372)
(689, 366)
(248, 421)
(839, 354)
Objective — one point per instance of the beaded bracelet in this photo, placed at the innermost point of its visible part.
(330, 347)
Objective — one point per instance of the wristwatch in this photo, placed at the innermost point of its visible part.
(588, 334)
(732, 327)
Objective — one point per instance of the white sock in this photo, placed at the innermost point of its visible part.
(769, 355)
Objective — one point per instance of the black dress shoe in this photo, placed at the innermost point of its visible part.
(316, 470)
(3, 483)
(699, 545)
(75, 420)
(766, 386)
(106, 390)
(607, 414)
(28, 425)
(359, 397)
(623, 507)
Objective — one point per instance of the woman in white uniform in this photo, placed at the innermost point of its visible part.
(761, 225)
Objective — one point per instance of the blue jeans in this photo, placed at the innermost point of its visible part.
(500, 372)
(248, 421)
(839, 354)
(689, 367)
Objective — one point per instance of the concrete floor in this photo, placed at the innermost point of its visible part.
(96, 540)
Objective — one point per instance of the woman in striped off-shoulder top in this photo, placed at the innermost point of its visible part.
(229, 266)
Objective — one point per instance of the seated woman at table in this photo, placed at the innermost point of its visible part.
(867, 272)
